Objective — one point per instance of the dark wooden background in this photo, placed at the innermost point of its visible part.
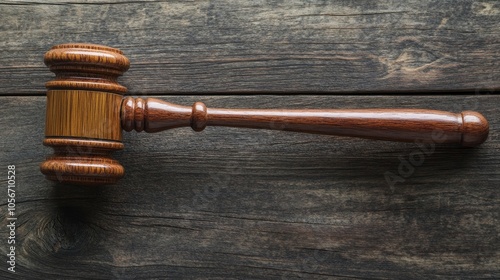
(253, 204)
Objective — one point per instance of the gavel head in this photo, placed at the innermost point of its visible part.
(83, 114)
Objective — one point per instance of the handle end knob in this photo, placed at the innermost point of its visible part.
(475, 129)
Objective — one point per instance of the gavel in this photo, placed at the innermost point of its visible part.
(86, 113)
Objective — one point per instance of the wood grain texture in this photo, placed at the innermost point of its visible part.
(255, 204)
(226, 203)
(213, 46)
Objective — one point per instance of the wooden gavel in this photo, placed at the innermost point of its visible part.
(86, 113)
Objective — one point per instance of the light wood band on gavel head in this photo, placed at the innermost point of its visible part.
(83, 113)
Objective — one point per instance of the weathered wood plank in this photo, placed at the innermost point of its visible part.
(212, 46)
(253, 204)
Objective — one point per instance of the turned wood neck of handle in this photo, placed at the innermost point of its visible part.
(405, 125)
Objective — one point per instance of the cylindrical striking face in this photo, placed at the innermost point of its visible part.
(83, 113)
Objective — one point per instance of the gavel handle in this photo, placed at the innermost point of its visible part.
(467, 129)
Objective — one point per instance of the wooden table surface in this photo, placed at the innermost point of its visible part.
(252, 204)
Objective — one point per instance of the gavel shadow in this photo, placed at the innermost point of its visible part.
(179, 178)
(76, 215)
(171, 177)
(401, 159)
(88, 218)
(62, 229)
